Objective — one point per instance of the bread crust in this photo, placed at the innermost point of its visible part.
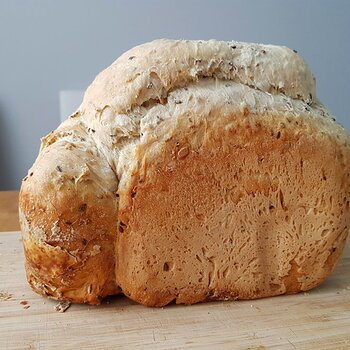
(192, 171)
(68, 219)
(257, 211)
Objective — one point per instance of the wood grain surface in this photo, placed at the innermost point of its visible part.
(319, 319)
(9, 211)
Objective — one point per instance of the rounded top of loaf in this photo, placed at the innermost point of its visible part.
(149, 72)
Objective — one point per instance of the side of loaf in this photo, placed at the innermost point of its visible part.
(68, 217)
(192, 171)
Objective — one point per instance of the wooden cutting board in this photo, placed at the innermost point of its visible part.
(319, 319)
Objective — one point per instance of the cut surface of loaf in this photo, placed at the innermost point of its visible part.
(192, 171)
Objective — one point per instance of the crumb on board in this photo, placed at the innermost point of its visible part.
(26, 307)
(255, 307)
(62, 306)
(5, 296)
(23, 302)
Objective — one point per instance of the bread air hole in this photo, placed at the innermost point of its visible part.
(167, 266)
(122, 226)
(83, 207)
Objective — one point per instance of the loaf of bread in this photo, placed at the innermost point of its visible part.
(192, 171)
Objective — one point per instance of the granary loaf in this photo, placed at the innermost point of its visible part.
(192, 171)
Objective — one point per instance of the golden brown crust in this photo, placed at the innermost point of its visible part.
(256, 212)
(83, 274)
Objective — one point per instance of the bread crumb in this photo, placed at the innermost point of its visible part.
(5, 296)
(62, 306)
(23, 302)
(26, 307)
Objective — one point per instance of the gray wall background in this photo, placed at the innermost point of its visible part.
(50, 45)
